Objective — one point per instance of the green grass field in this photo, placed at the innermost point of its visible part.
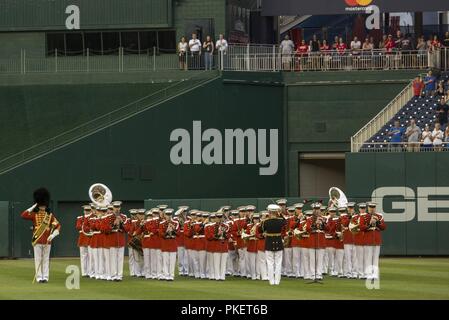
(401, 278)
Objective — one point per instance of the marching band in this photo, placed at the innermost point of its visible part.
(337, 241)
(282, 241)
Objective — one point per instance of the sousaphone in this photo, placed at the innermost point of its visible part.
(100, 194)
(337, 197)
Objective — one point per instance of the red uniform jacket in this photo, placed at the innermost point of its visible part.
(293, 224)
(82, 226)
(113, 237)
(199, 239)
(36, 218)
(330, 232)
(168, 240)
(316, 239)
(305, 237)
(180, 240)
(209, 232)
(231, 240)
(372, 234)
(238, 227)
(348, 237)
(151, 239)
(188, 234)
(358, 236)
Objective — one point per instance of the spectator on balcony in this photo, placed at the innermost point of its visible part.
(222, 44)
(335, 43)
(395, 133)
(437, 137)
(208, 47)
(426, 139)
(367, 46)
(421, 46)
(389, 44)
(356, 45)
(325, 52)
(446, 136)
(287, 48)
(182, 53)
(314, 44)
(435, 42)
(371, 41)
(302, 48)
(442, 112)
(383, 42)
(325, 48)
(446, 39)
(413, 133)
(430, 84)
(406, 44)
(195, 52)
(398, 39)
(418, 86)
(341, 47)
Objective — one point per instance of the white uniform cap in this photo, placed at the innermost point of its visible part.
(273, 207)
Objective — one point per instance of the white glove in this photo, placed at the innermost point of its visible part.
(32, 207)
(53, 235)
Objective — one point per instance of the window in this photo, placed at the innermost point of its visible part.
(130, 42)
(93, 42)
(167, 41)
(111, 42)
(74, 43)
(55, 41)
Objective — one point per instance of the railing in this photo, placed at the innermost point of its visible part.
(385, 115)
(376, 147)
(328, 61)
(105, 120)
(236, 58)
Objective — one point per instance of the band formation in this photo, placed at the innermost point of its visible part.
(339, 241)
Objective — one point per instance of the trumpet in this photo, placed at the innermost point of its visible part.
(354, 228)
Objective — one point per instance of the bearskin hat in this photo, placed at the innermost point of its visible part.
(41, 196)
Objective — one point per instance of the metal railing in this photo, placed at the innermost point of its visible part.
(263, 60)
(237, 58)
(105, 120)
(385, 115)
(376, 147)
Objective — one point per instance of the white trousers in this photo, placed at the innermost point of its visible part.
(210, 265)
(84, 261)
(349, 269)
(242, 262)
(330, 254)
(182, 261)
(252, 261)
(371, 262)
(325, 265)
(107, 263)
(305, 264)
(100, 274)
(116, 262)
(147, 263)
(316, 262)
(199, 263)
(42, 261)
(155, 263)
(274, 265)
(168, 265)
(359, 257)
(338, 262)
(217, 268)
(261, 265)
(190, 261)
(90, 252)
(232, 263)
(288, 261)
(131, 262)
(296, 262)
(138, 263)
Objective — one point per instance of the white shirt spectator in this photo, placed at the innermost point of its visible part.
(287, 47)
(182, 47)
(437, 136)
(413, 133)
(356, 45)
(427, 137)
(195, 45)
(221, 45)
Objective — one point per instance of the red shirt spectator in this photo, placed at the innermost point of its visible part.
(325, 48)
(302, 48)
(341, 47)
(389, 44)
(418, 86)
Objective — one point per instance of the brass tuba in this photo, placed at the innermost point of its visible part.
(100, 194)
(337, 198)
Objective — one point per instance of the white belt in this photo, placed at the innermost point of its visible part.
(328, 237)
(200, 236)
(96, 232)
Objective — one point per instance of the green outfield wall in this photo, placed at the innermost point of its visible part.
(412, 190)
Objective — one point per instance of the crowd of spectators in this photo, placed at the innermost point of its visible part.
(427, 137)
(388, 45)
